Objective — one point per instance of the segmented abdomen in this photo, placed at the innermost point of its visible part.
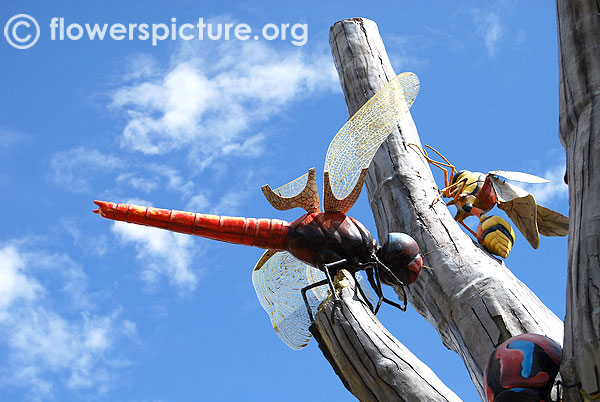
(263, 233)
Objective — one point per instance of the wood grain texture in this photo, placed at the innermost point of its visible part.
(471, 298)
(373, 364)
(579, 131)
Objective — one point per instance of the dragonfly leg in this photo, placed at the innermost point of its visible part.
(376, 285)
(332, 266)
(306, 289)
(360, 289)
(398, 283)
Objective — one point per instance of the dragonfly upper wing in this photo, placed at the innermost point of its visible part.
(521, 208)
(278, 278)
(351, 150)
(301, 192)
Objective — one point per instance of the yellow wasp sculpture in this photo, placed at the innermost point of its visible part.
(475, 193)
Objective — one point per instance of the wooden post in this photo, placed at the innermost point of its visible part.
(373, 365)
(579, 131)
(471, 298)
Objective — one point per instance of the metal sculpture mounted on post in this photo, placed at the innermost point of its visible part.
(305, 254)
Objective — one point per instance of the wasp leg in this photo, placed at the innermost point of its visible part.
(478, 212)
(447, 177)
(443, 166)
(306, 289)
(468, 228)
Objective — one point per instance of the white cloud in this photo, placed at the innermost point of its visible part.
(47, 350)
(72, 169)
(489, 27)
(208, 100)
(9, 137)
(95, 244)
(198, 203)
(555, 190)
(14, 284)
(162, 253)
(404, 52)
(152, 177)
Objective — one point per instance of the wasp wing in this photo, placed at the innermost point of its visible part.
(552, 223)
(519, 176)
(278, 279)
(521, 208)
(351, 150)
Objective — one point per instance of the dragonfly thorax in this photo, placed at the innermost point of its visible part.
(326, 237)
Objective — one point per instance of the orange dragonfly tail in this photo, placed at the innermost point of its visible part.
(263, 233)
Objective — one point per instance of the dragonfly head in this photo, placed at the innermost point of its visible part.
(400, 253)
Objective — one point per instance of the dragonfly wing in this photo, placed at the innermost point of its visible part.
(551, 223)
(278, 279)
(301, 192)
(353, 147)
(520, 177)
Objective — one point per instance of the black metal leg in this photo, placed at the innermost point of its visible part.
(376, 287)
(307, 288)
(330, 282)
(398, 283)
(360, 289)
(334, 265)
(403, 308)
(382, 297)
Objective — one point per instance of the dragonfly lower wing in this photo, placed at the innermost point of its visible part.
(278, 282)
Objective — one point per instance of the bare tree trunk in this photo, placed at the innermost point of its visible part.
(579, 129)
(472, 299)
(373, 365)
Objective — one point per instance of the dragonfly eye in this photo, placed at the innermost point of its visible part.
(400, 253)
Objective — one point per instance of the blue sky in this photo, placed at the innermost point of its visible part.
(90, 310)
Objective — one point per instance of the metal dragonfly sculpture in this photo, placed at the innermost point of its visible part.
(476, 193)
(305, 254)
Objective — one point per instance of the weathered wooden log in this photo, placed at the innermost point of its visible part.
(373, 365)
(579, 131)
(471, 298)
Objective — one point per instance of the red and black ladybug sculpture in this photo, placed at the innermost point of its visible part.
(522, 369)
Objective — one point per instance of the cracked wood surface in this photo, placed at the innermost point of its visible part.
(472, 299)
(579, 129)
(373, 365)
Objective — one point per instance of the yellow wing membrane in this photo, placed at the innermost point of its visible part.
(530, 218)
(353, 147)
